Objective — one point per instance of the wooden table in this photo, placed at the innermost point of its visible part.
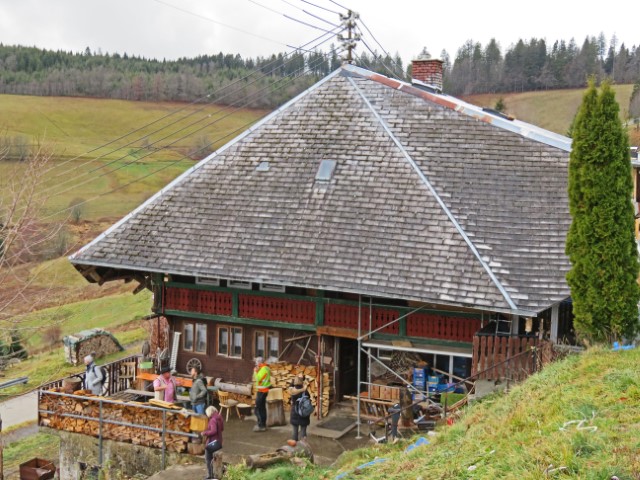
(180, 381)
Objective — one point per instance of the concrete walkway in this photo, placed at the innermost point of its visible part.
(239, 441)
(21, 409)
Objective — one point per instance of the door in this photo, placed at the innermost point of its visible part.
(348, 367)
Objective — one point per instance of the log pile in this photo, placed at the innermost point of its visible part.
(282, 375)
(123, 412)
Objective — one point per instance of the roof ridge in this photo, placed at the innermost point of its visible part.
(524, 129)
(433, 191)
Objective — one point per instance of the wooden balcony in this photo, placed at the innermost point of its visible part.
(309, 313)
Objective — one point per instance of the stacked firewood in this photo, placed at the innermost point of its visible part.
(282, 375)
(121, 412)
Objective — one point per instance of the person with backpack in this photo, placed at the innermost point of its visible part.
(165, 386)
(301, 407)
(198, 392)
(212, 437)
(94, 377)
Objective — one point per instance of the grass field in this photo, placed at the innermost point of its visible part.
(533, 432)
(73, 126)
(550, 109)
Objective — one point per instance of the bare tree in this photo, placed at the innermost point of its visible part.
(24, 232)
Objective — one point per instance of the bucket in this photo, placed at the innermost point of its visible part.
(71, 384)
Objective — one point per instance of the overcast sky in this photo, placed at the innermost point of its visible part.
(178, 28)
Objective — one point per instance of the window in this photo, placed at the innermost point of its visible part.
(230, 341)
(208, 281)
(272, 287)
(223, 341)
(266, 344)
(201, 338)
(187, 338)
(239, 284)
(325, 171)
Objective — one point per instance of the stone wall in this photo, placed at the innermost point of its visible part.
(80, 452)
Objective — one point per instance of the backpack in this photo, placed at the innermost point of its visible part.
(103, 373)
(304, 407)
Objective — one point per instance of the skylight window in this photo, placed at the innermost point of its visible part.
(325, 171)
(262, 167)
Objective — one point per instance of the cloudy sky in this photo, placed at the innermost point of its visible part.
(176, 28)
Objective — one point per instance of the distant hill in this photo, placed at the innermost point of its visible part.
(550, 109)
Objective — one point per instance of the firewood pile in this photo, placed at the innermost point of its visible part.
(282, 375)
(95, 341)
(124, 412)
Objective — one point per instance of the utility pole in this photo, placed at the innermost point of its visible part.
(349, 42)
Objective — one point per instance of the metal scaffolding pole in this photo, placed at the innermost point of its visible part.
(358, 436)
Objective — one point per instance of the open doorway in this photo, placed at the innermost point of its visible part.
(347, 371)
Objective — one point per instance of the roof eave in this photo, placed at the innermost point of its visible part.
(518, 311)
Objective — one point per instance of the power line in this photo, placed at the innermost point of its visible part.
(257, 71)
(157, 141)
(289, 17)
(216, 21)
(241, 128)
(379, 57)
(322, 8)
(341, 6)
(283, 83)
(379, 44)
(309, 13)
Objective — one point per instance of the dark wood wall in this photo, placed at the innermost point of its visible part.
(241, 369)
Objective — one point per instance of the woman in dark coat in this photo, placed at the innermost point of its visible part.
(213, 438)
(297, 389)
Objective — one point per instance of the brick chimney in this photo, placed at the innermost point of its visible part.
(428, 70)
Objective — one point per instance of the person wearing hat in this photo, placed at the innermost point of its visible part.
(297, 390)
(212, 437)
(165, 386)
(93, 378)
(262, 379)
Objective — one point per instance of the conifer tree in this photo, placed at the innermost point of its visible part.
(601, 243)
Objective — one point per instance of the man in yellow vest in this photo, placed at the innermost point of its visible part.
(262, 379)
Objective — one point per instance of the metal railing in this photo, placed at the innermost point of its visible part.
(102, 420)
(113, 383)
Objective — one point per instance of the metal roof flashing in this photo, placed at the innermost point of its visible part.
(418, 89)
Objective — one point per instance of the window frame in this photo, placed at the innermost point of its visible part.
(230, 330)
(195, 338)
(191, 326)
(267, 335)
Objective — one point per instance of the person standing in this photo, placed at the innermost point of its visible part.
(298, 389)
(213, 439)
(165, 386)
(198, 391)
(93, 377)
(262, 379)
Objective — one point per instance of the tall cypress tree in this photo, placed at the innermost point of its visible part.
(601, 243)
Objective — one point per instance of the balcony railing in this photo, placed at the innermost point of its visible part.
(307, 312)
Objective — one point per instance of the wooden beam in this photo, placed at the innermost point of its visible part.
(337, 332)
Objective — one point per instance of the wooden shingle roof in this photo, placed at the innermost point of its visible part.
(428, 202)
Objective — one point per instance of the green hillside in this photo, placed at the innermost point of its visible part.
(532, 432)
(73, 126)
(550, 109)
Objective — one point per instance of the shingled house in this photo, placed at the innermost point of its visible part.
(366, 211)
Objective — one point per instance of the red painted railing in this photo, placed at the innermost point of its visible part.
(458, 329)
(201, 301)
(276, 309)
(346, 316)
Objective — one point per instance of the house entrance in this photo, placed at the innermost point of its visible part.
(348, 367)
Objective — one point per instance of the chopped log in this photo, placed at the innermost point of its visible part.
(286, 452)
